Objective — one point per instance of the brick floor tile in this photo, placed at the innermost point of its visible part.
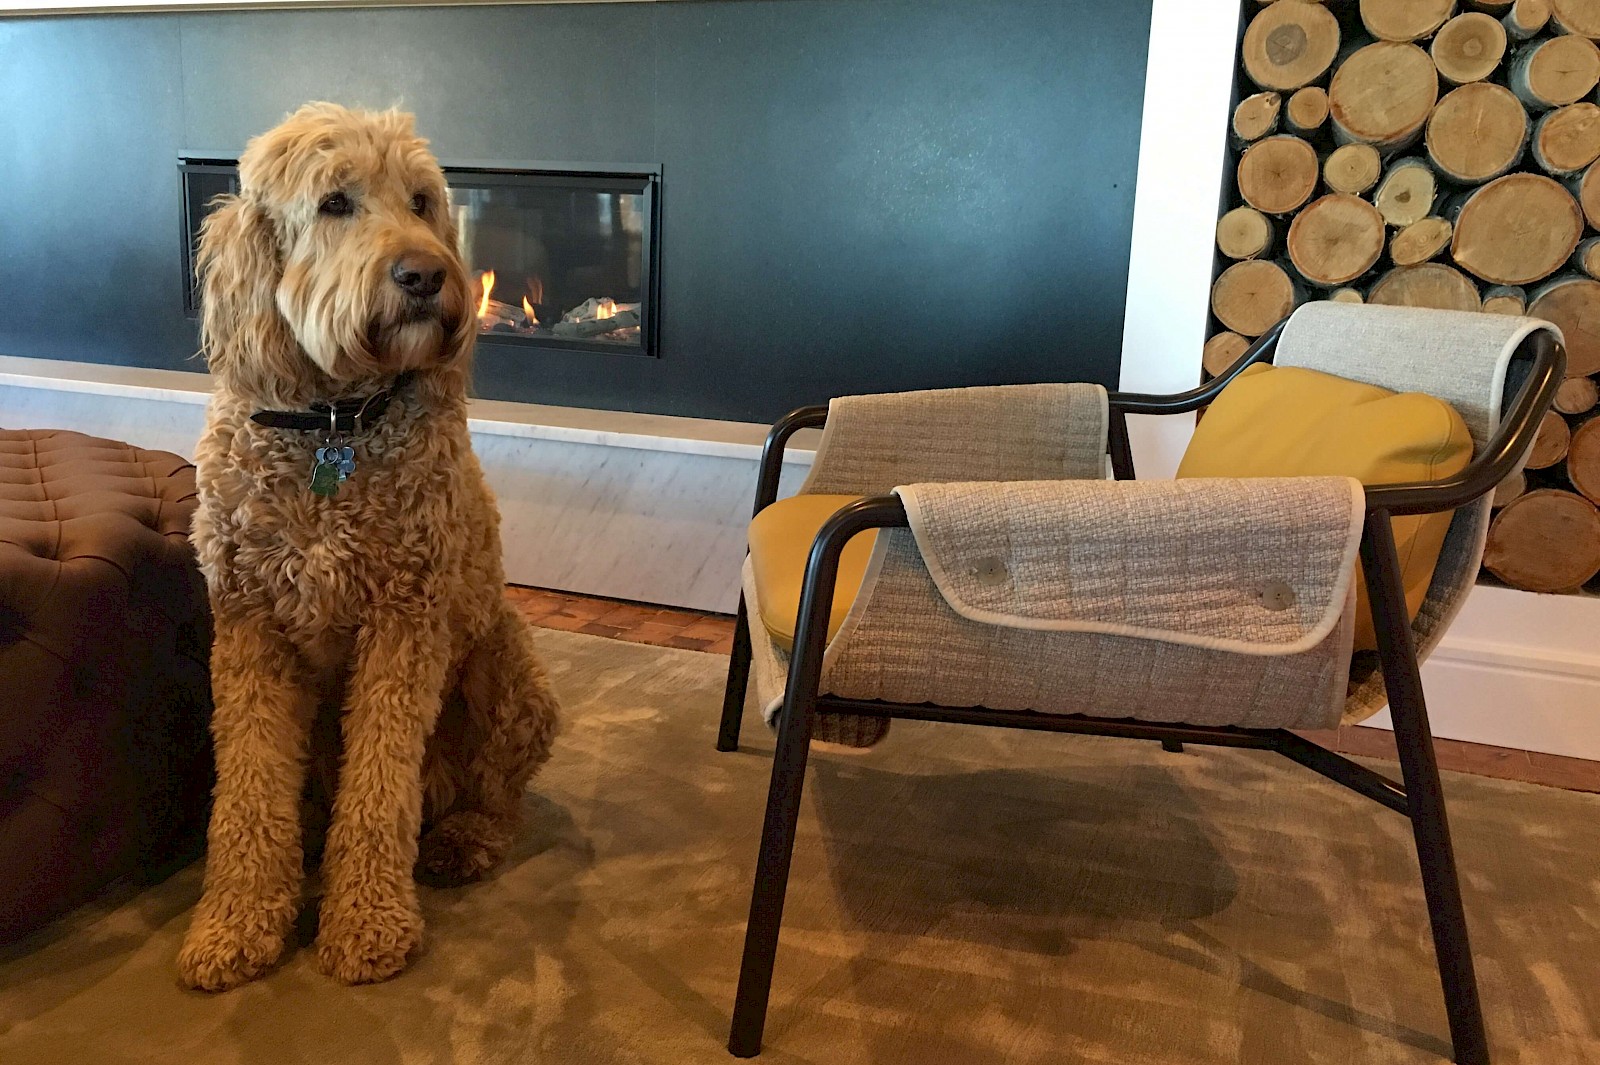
(1574, 774)
(564, 622)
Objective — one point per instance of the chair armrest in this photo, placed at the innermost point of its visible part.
(822, 566)
(772, 451)
(1504, 452)
(1188, 402)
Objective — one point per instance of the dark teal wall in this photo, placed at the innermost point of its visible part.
(858, 195)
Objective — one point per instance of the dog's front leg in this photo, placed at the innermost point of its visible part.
(370, 920)
(260, 728)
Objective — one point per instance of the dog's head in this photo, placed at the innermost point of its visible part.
(336, 263)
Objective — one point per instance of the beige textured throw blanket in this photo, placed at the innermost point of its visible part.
(1213, 602)
(999, 433)
(1465, 358)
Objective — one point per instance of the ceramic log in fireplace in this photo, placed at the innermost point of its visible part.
(562, 256)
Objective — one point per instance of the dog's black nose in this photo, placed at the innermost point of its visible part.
(419, 274)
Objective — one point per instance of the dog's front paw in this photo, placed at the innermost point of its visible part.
(462, 847)
(364, 942)
(220, 953)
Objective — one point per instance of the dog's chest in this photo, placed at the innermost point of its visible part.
(386, 540)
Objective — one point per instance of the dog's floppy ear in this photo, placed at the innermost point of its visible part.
(246, 342)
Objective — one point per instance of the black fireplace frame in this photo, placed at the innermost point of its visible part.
(643, 180)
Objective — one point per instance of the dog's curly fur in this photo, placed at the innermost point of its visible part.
(381, 607)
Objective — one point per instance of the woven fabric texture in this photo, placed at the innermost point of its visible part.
(906, 644)
(1463, 358)
(1001, 433)
(1257, 566)
(1466, 359)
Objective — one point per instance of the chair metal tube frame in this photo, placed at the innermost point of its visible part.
(1420, 798)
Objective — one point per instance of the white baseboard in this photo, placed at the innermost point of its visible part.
(1518, 670)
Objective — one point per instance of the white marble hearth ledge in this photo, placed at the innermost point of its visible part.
(530, 421)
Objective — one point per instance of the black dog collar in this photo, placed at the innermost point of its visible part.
(348, 415)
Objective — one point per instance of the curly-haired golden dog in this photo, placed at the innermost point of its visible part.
(332, 281)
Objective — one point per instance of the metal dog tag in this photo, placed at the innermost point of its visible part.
(325, 473)
(334, 462)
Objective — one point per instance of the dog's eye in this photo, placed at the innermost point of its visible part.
(419, 204)
(337, 204)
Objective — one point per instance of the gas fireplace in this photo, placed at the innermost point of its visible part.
(561, 258)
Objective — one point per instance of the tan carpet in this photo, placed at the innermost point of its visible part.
(961, 896)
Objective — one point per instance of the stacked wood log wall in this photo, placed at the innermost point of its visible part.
(1432, 153)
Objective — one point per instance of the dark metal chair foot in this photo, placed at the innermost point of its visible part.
(1172, 746)
(738, 683)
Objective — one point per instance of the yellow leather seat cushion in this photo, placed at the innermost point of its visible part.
(780, 542)
(1282, 421)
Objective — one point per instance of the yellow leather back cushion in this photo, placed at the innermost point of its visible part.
(780, 542)
(1282, 421)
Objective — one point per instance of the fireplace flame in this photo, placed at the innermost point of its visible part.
(487, 281)
(606, 308)
(536, 289)
(527, 309)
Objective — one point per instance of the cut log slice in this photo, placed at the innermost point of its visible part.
(1509, 489)
(1222, 351)
(1404, 20)
(1289, 45)
(1251, 297)
(1420, 241)
(1573, 304)
(1567, 139)
(1586, 187)
(1555, 72)
(1353, 168)
(1336, 239)
(1545, 541)
(1383, 94)
(1244, 233)
(1469, 48)
(1256, 116)
(1579, 395)
(1429, 285)
(1505, 299)
(1583, 460)
(1526, 19)
(1517, 229)
(1307, 109)
(1477, 133)
(1347, 295)
(1407, 192)
(1581, 17)
(1587, 258)
(1278, 174)
(1550, 446)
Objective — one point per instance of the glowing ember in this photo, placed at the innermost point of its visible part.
(487, 281)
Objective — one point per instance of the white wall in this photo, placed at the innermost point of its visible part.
(1187, 94)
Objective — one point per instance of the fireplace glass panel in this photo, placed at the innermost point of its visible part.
(558, 258)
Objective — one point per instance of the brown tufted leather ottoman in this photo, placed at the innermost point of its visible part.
(105, 698)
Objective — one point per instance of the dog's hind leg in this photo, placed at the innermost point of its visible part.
(260, 728)
(512, 717)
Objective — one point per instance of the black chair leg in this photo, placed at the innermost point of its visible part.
(1172, 746)
(772, 872)
(1424, 795)
(738, 683)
